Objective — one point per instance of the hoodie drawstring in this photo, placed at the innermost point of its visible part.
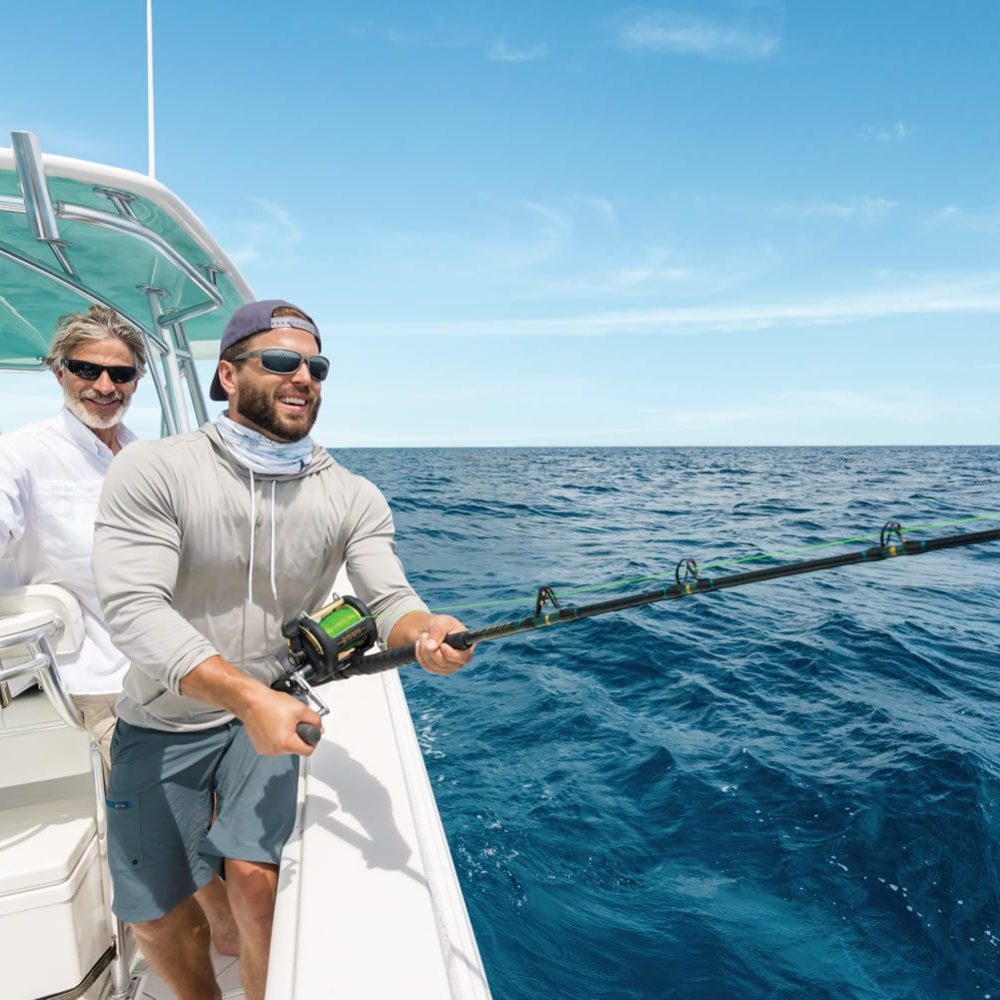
(253, 535)
(253, 532)
(274, 586)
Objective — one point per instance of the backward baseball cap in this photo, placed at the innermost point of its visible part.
(256, 317)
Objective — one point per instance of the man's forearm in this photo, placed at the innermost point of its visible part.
(271, 717)
(218, 682)
(408, 629)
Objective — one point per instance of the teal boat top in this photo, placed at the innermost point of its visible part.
(74, 233)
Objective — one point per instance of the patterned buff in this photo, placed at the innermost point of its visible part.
(262, 455)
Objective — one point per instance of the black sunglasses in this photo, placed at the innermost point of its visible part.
(281, 361)
(90, 372)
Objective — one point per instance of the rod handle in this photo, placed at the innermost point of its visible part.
(460, 640)
(391, 658)
(308, 733)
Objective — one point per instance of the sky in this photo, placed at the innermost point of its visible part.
(711, 223)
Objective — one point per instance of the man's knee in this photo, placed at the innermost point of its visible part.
(187, 917)
(253, 888)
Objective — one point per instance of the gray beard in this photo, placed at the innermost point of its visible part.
(79, 410)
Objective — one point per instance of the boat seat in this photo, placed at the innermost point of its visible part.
(39, 624)
(38, 599)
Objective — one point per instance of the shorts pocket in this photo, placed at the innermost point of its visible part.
(124, 833)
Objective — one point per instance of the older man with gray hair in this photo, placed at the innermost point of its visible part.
(51, 474)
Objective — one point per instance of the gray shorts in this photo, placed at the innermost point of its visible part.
(163, 844)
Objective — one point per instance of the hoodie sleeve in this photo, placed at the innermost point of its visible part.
(137, 539)
(372, 563)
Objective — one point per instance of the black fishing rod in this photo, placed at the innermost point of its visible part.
(332, 643)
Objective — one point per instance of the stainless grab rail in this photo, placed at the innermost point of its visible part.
(42, 665)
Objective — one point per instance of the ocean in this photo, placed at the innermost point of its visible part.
(785, 790)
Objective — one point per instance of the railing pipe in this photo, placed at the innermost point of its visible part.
(31, 174)
(171, 367)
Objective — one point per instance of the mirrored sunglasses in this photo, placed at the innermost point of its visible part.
(281, 361)
(90, 372)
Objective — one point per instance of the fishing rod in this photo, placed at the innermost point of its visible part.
(332, 644)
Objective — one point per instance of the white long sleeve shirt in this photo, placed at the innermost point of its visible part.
(51, 474)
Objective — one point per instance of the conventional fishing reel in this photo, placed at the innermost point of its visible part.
(323, 645)
(326, 646)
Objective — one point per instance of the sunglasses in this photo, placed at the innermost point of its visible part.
(281, 361)
(90, 372)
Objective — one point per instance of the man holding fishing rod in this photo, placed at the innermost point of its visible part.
(205, 545)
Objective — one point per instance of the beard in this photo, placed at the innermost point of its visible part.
(260, 407)
(75, 404)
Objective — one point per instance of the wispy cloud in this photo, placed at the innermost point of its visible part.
(674, 32)
(830, 415)
(479, 394)
(980, 222)
(551, 231)
(500, 51)
(889, 405)
(892, 414)
(438, 35)
(654, 271)
(444, 34)
(868, 208)
(512, 237)
(649, 274)
(920, 298)
(894, 133)
(602, 207)
(256, 239)
(644, 279)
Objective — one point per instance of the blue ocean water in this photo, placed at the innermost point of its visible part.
(785, 790)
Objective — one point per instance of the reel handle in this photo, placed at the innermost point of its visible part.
(308, 733)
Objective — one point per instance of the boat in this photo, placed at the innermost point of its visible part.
(369, 903)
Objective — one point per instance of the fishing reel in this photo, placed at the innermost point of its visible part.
(322, 647)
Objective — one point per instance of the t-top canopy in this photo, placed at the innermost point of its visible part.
(74, 233)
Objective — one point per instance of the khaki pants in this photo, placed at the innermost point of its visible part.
(98, 711)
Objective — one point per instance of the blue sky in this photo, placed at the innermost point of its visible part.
(703, 223)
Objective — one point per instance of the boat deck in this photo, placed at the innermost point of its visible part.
(227, 975)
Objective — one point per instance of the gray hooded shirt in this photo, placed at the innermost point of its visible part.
(172, 547)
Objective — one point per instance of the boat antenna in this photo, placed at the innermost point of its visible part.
(150, 115)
